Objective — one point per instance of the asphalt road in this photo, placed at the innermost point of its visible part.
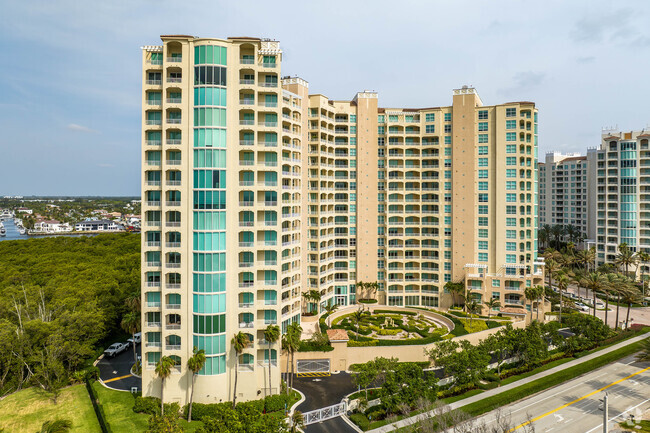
(574, 407)
(116, 372)
(321, 392)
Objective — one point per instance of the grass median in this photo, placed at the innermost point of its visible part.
(510, 396)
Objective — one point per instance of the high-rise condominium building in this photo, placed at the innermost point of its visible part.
(621, 169)
(255, 192)
(563, 194)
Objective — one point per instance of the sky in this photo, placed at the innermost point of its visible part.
(70, 71)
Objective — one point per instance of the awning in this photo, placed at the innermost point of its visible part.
(475, 265)
(515, 266)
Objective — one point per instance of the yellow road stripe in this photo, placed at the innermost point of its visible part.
(117, 378)
(314, 374)
(578, 399)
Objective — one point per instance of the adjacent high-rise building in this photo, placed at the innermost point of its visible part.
(620, 167)
(563, 191)
(255, 192)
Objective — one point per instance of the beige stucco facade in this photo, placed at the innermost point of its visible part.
(255, 191)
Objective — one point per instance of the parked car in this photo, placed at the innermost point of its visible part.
(582, 307)
(115, 349)
(138, 338)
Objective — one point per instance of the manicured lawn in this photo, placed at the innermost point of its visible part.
(27, 410)
(118, 408)
(645, 426)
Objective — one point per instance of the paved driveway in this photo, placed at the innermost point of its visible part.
(116, 372)
(321, 392)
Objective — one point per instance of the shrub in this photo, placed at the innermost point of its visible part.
(367, 301)
(361, 420)
(274, 403)
(148, 405)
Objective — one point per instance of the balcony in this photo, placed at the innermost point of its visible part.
(246, 305)
(175, 59)
(153, 304)
(153, 344)
(246, 324)
(173, 326)
(269, 64)
(153, 142)
(247, 101)
(246, 61)
(173, 183)
(247, 122)
(153, 122)
(153, 82)
(154, 102)
(172, 347)
(173, 203)
(153, 264)
(173, 265)
(173, 162)
(245, 367)
(174, 121)
(153, 324)
(172, 286)
(172, 224)
(173, 306)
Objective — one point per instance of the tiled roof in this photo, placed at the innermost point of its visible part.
(337, 335)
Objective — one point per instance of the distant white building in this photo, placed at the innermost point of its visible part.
(96, 226)
(52, 226)
(24, 210)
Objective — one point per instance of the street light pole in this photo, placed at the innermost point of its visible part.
(605, 414)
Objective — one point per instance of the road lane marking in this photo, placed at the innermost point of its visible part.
(578, 399)
(622, 413)
(116, 378)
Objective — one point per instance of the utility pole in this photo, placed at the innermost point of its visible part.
(605, 414)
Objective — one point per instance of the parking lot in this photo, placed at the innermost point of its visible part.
(116, 372)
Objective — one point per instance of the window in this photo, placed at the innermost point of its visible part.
(483, 186)
(430, 129)
(482, 114)
(381, 130)
(482, 245)
(482, 221)
(447, 151)
(511, 148)
(511, 172)
(482, 233)
(511, 198)
(482, 174)
(511, 222)
(482, 138)
(511, 112)
(511, 124)
(511, 160)
(496, 283)
(393, 118)
(483, 209)
(430, 117)
(447, 139)
(482, 150)
(483, 197)
(482, 126)
(482, 257)
(511, 210)
(511, 246)
(511, 136)
(511, 234)
(482, 162)
(447, 129)
(353, 118)
(381, 118)
(511, 258)
(447, 117)
(510, 185)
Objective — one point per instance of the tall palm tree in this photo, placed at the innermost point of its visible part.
(591, 257)
(551, 266)
(557, 231)
(357, 316)
(294, 331)
(297, 422)
(131, 324)
(330, 308)
(612, 282)
(316, 297)
(306, 296)
(361, 287)
(472, 308)
(491, 304)
(286, 346)
(239, 342)
(531, 294)
(643, 257)
(595, 282)
(195, 363)
(543, 235)
(164, 370)
(625, 258)
(630, 296)
(562, 281)
(271, 335)
(540, 298)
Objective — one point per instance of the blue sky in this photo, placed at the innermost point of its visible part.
(70, 75)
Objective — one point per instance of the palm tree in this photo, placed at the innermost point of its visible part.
(630, 296)
(551, 266)
(562, 281)
(625, 258)
(540, 297)
(612, 281)
(455, 289)
(330, 308)
(374, 286)
(315, 297)
(164, 370)
(543, 234)
(271, 335)
(361, 286)
(531, 294)
(491, 304)
(239, 342)
(294, 331)
(595, 282)
(56, 426)
(286, 346)
(306, 296)
(644, 355)
(357, 316)
(195, 363)
(557, 231)
(472, 307)
(131, 324)
(297, 422)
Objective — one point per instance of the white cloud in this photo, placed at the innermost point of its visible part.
(80, 128)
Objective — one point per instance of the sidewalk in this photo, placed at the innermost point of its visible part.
(492, 392)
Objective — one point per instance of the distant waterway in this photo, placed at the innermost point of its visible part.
(13, 234)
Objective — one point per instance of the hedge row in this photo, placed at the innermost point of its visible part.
(97, 406)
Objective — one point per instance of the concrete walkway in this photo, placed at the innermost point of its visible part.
(492, 392)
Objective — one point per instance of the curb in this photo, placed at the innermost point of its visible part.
(293, 408)
(108, 387)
